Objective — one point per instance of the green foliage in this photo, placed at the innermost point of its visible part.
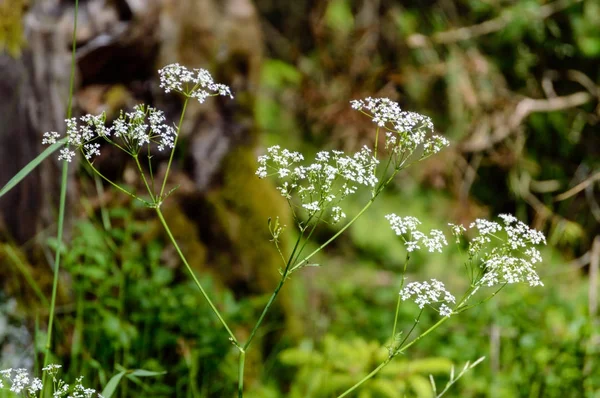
(336, 365)
(145, 314)
(585, 26)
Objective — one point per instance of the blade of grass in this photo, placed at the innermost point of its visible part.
(61, 209)
(24, 172)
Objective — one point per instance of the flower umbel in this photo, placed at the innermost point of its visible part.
(429, 293)
(404, 131)
(195, 83)
(21, 383)
(513, 260)
(406, 227)
(130, 132)
(323, 184)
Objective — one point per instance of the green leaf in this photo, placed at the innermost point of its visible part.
(146, 373)
(24, 172)
(112, 384)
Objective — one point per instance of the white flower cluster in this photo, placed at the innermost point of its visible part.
(406, 227)
(429, 293)
(323, 184)
(514, 260)
(195, 83)
(130, 132)
(405, 130)
(21, 383)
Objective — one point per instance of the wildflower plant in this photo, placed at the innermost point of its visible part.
(499, 253)
(19, 381)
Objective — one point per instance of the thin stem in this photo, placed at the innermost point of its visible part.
(193, 275)
(139, 166)
(284, 275)
(334, 237)
(242, 360)
(62, 204)
(114, 184)
(164, 183)
(307, 239)
(297, 265)
(396, 318)
(415, 323)
(388, 360)
(399, 298)
(367, 377)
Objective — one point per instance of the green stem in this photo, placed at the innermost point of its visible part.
(164, 183)
(399, 298)
(284, 275)
(396, 319)
(139, 166)
(334, 237)
(241, 373)
(193, 275)
(388, 360)
(62, 205)
(114, 184)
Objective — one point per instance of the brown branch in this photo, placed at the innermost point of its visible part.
(502, 128)
(527, 106)
(493, 25)
(578, 188)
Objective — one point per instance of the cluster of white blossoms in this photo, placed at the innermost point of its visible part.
(195, 83)
(129, 132)
(514, 259)
(143, 125)
(405, 131)
(323, 184)
(21, 383)
(429, 293)
(406, 227)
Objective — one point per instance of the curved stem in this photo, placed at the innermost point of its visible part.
(193, 275)
(114, 184)
(164, 183)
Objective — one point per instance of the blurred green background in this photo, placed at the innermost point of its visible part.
(513, 84)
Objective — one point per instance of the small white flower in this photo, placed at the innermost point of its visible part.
(429, 293)
(445, 310)
(195, 83)
(52, 368)
(66, 154)
(513, 260)
(323, 184)
(337, 214)
(402, 226)
(50, 138)
(457, 230)
(405, 130)
(36, 385)
(20, 381)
